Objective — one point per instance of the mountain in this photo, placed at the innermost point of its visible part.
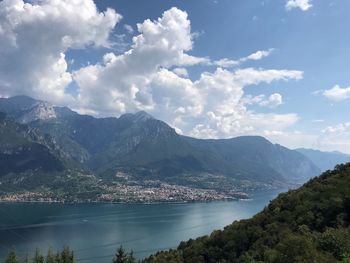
(261, 156)
(310, 224)
(32, 165)
(22, 149)
(325, 160)
(145, 148)
(25, 109)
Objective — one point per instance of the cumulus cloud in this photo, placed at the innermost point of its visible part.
(34, 38)
(303, 5)
(216, 107)
(182, 72)
(151, 75)
(272, 101)
(337, 93)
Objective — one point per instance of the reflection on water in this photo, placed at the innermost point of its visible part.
(94, 231)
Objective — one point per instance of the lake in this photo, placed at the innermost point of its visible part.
(95, 231)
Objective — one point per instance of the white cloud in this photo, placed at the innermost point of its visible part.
(121, 83)
(335, 137)
(227, 63)
(304, 5)
(272, 101)
(181, 72)
(34, 38)
(129, 29)
(260, 54)
(211, 106)
(149, 76)
(337, 93)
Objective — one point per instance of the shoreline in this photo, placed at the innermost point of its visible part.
(124, 202)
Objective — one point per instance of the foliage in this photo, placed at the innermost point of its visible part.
(11, 257)
(310, 224)
(66, 256)
(124, 257)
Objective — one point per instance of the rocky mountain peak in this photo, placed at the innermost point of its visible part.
(40, 111)
(138, 117)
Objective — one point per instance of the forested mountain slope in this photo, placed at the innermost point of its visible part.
(310, 224)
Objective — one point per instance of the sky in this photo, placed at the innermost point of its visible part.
(209, 68)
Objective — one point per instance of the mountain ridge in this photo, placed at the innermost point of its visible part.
(325, 160)
(145, 148)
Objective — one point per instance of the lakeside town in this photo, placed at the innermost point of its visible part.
(121, 193)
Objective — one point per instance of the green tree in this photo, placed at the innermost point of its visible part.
(50, 257)
(121, 256)
(11, 257)
(124, 257)
(38, 257)
(67, 255)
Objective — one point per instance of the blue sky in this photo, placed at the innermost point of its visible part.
(287, 58)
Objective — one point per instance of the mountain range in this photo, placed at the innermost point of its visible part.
(142, 148)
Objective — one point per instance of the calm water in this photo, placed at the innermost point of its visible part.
(94, 231)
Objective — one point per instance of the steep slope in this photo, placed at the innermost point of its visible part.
(325, 160)
(23, 149)
(310, 224)
(259, 157)
(33, 167)
(25, 109)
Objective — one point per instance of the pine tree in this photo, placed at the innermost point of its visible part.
(26, 260)
(67, 256)
(58, 258)
(38, 258)
(131, 258)
(50, 257)
(121, 256)
(12, 257)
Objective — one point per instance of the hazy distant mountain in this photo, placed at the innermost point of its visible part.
(147, 148)
(261, 156)
(325, 160)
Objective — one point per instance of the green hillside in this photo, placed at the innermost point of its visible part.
(310, 224)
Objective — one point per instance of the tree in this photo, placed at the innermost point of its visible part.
(12, 257)
(67, 256)
(123, 257)
(38, 257)
(50, 257)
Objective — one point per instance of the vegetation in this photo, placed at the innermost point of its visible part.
(310, 224)
(123, 257)
(65, 256)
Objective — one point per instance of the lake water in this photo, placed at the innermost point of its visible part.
(94, 231)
